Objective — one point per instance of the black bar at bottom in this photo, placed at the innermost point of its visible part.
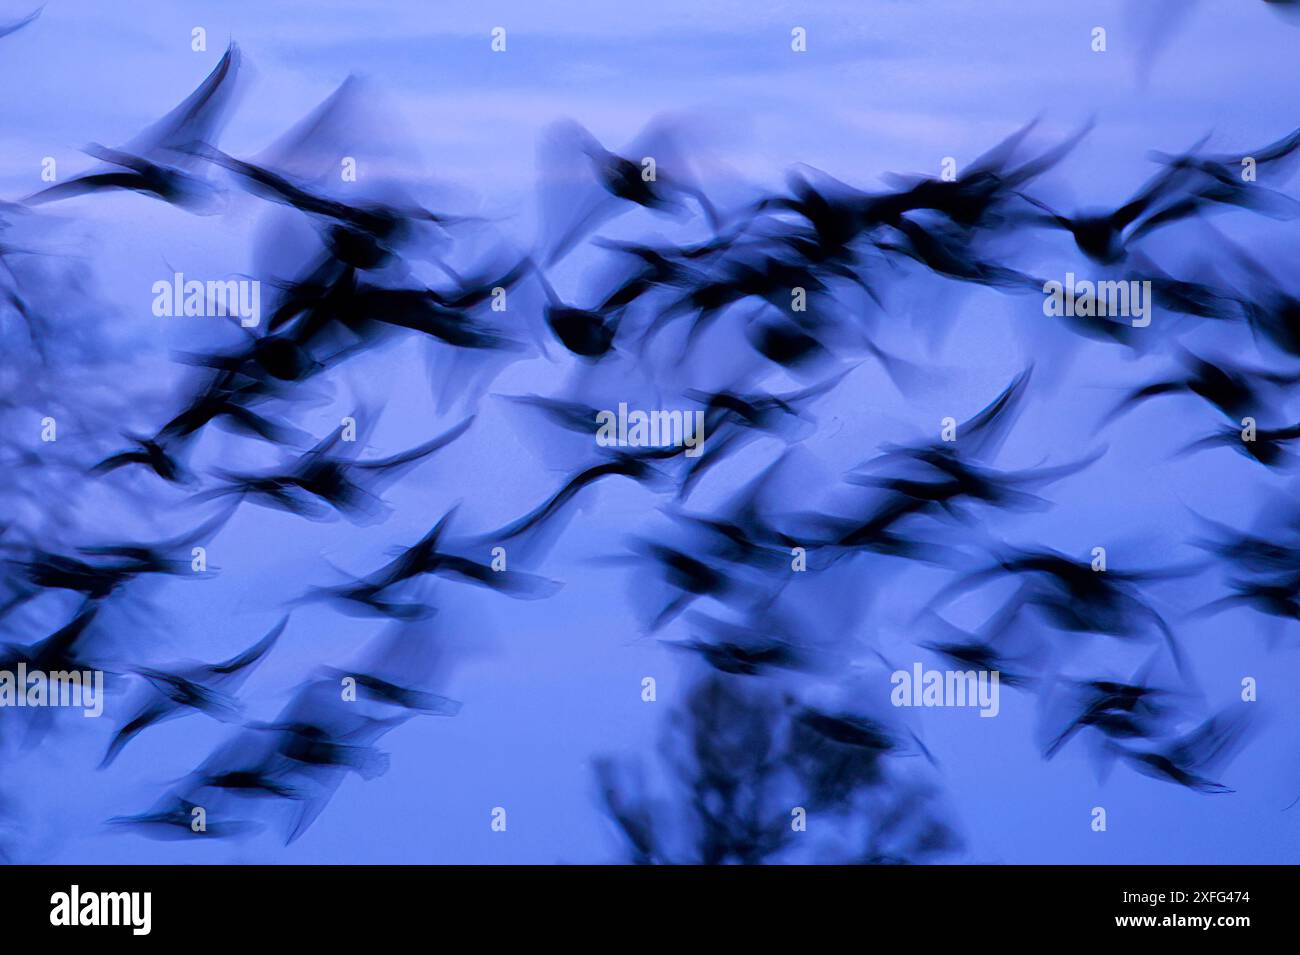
(336, 903)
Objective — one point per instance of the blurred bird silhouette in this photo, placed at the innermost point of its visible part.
(16, 25)
(374, 593)
(178, 690)
(158, 162)
(1102, 235)
(658, 179)
(1185, 760)
(323, 480)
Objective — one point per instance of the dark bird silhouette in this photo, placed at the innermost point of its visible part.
(1277, 596)
(571, 211)
(1272, 312)
(374, 592)
(397, 669)
(178, 690)
(1233, 391)
(741, 529)
(742, 649)
(635, 467)
(1075, 598)
(1017, 661)
(952, 481)
(174, 818)
(1277, 553)
(837, 754)
(588, 333)
(947, 251)
(277, 357)
(150, 454)
(227, 400)
(62, 650)
(785, 343)
(848, 731)
(1117, 710)
(837, 214)
(1276, 158)
(1268, 446)
(157, 163)
(246, 766)
(1201, 299)
(333, 314)
(115, 565)
(1187, 759)
(379, 690)
(16, 25)
(975, 196)
(685, 579)
(1217, 192)
(363, 235)
(759, 272)
(941, 474)
(318, 739)
(653, 268)
(1101, 234)
(322, 479)
(732, 419)
(983, 433)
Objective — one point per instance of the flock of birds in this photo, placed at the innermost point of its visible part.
(788, 703)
